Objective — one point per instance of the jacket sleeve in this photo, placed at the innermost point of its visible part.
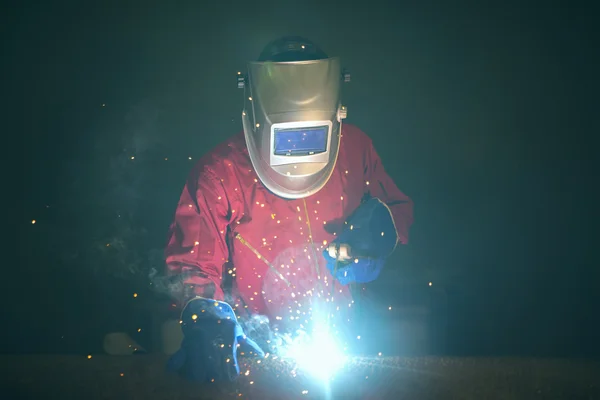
(378, 184)
(197, 246)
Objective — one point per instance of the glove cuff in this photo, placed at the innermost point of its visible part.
(200, 309)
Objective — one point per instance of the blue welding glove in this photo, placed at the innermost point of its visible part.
(371, 234)
(211, 335)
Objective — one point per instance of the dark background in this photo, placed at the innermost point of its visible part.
(485, 114)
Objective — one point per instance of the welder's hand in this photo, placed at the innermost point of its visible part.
(209, 349)
(371, 235)
(359, 270)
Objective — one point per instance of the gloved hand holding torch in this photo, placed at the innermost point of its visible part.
(210, 344)
(360, 251)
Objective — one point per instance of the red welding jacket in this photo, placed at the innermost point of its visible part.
(228, 225)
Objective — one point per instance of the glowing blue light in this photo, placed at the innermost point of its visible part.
(318, 355)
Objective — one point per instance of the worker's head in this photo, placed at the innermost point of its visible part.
(292, 116)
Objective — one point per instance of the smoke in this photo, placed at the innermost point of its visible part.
(114, 189)
(129, 169)
(268, 336)
(258, 328)
(169, 285)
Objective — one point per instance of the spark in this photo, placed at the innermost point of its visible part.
(318, 355)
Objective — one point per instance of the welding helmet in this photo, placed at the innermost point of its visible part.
(292, 116)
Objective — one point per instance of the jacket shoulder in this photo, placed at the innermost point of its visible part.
(214, 163)
(355, 136)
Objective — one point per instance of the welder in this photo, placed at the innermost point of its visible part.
(295, 208)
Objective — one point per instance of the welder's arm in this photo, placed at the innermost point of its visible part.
(374, 228)
(378, 184)
(197, 249)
